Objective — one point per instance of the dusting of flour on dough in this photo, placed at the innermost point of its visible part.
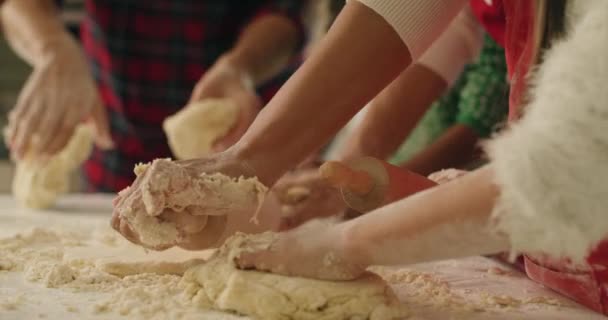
(193, 131)
(170, 186)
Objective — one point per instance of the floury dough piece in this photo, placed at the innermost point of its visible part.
(37, 185)
(193, 131)
(170, 186)
(218, 284)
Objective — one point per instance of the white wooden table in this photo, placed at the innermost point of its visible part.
(466, 281)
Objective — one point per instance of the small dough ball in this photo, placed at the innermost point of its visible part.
(37, 185)
(193, 131)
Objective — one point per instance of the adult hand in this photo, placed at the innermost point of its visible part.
(200, 225)
(226, 79)
(59, 94)
(303, 196)
(314, 250)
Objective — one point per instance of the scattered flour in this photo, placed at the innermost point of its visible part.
(12, 303)
(44, 256)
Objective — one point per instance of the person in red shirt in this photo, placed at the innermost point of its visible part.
(141, 62)
(543, 192)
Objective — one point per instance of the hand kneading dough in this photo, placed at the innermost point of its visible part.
(37, 185)
(218, 284)
(169, 186)
(193, 131)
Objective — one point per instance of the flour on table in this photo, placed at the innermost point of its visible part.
(37, 185)
(193, 131)
(61, 259)
(218, 284)
(169, 185)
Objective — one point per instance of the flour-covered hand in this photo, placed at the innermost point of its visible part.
(314, 250)
(168, 205)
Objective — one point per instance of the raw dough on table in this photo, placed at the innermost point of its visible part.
(193, 131)
(37, 185)
(170, 186)
(218, 284)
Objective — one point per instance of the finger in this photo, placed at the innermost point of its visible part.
(247, 114)
(115, 221)
(99, 118)
(185, 221)
(208, 237)
(7, 132)
(128, 233)
(60, 140)
(26, 129)
(49, 129)
(197, 93)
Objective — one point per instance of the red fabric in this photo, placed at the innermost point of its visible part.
(588, 284)
(492, 17)
(578, 286)
(511, 24)
(519, 44)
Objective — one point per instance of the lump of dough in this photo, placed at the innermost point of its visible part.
(218, 284)
(193, 131)
(37, 185)
(170, 186)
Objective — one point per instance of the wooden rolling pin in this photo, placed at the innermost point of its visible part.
(368, 183)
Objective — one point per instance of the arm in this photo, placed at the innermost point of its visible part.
(263, 49)
(360, 55)
(413, 230)
(266, 45)
(458, 226)
(545, 190)
(331, 86)
(482, 104)
(33, 29)
(395, 112)
(59, 93)
(453, 149)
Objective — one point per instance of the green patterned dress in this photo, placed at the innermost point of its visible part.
(478, 100)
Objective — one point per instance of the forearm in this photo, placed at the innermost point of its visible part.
(448, 221)
(331, 86)
(264, 47)
(394, 113)
(34, 30)
(453, 149)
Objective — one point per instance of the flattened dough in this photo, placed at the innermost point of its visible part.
(192, 131)
(218, 284)
(37, 185)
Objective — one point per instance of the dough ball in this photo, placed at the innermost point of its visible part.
(37, 185)
(193, 131)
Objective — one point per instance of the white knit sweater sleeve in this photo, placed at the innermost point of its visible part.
(418, 22)
(552, 166)
(457, 46)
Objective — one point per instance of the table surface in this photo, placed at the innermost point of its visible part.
(486, 288)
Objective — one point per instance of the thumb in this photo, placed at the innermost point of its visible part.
(99, 119)
(339, 175)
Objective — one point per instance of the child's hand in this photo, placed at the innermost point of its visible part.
(314, 250)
